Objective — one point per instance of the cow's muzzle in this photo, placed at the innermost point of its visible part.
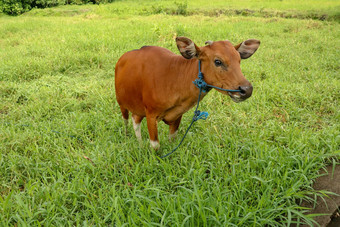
(244, 93)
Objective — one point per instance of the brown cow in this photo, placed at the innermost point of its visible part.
(155, 83)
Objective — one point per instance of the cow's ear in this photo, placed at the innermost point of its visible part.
(187, 47)
(247, 48)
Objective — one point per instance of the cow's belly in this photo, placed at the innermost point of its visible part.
(174, 113)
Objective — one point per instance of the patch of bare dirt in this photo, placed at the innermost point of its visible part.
(329, 206)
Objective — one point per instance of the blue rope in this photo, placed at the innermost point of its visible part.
(197, 116)
(203, 86)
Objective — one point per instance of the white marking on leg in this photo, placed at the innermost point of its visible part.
(154, 144)
(173, 135)
(137, 128)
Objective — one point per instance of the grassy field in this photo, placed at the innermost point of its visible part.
(65, 159)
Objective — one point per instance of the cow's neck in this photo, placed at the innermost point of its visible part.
(185, 80)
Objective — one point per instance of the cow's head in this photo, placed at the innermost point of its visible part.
(221, 63)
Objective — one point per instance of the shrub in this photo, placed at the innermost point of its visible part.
(17, 7)
(181, 8)
(47, 3)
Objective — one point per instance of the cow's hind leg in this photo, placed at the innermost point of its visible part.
(136, 120)
(125, 114)
(173, 128)
(153, 133)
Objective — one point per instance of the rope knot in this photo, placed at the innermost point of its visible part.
(200, 115)
(201, 84)
(200, 75)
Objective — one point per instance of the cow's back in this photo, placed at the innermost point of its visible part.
(138, 74)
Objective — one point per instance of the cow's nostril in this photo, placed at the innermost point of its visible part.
(242, 90)
(246, 91)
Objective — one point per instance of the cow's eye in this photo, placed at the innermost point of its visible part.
(218, 63)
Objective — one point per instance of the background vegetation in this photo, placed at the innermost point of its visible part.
(16, 7)
(64, 156)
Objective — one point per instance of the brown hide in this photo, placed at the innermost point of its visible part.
(155, 83)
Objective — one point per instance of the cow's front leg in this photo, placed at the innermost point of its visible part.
(153, 133)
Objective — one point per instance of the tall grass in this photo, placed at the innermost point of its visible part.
(64, 156)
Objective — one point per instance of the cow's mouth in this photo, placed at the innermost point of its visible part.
(236, 97)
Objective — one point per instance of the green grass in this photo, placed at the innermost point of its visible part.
(65, 159)
(305, 9)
